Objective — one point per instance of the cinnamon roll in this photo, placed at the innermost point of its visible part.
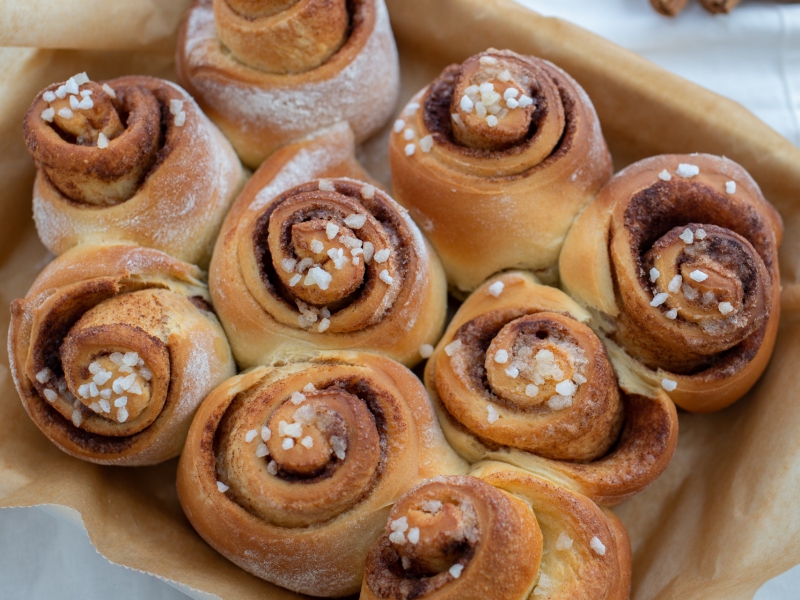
(504, 150)
(271, 71)
(499, 533)
(290, 471)
(519, 377)
(677, 258)
(113, 349)
(309, 259)
(133, 160)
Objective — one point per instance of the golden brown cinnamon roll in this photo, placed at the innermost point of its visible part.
(290, 471)
(677, 258)
(113, 349)
(500, 533)
(269, 72)
(519, 377)
(308, 260)
(494, 159)
(131, 159)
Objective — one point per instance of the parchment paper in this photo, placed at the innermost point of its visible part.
(720, 521)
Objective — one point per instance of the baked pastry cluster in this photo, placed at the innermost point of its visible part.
(326, 466)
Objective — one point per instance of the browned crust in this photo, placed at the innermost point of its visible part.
(325, 559)
(257, 336)
(101, 272)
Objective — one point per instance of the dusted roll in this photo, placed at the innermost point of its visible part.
(268, 73)
(519, 377)
(678, 259)
(113, 349)
(290, 471)
(309, 259)
(495, 159)
(128, 160)
(500, 533)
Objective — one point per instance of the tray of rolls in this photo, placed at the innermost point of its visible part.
(398, 300)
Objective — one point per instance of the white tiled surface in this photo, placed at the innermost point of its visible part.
(752, 56)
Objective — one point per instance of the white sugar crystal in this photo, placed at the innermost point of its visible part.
(466, 104)
(105, 405)
(432, 506)
(307, 442)
(687, 236)
(331, 229)
(730, 187)
(698, 275)
(725, 308)
(339, 446)
(316, 246)
(80, 78)
(50, 395)
(121, 401)
(282, 428)
(222, 487)
(109, 90)
(525, 101)
(107, 393)
(598, 546)
(385, 277)
(250, 435)
(294, 430)
(323, 325)
(411, 108)
(413, 535)
(531, 390)
(95, 368)
(668, 384)
(654, 274)
(272, 468)
(426, 143)
(368, 192)
(355, 221)
(491, 120)
(400, 525)
(61, 92)
(493, 414)
(501, 357)
(102, 141)
(452, 347)
(671, 314)
(578, 378)
(351, 242)
(318, 276)
(95, 407)
(131, 359)
(175, 106)
(700, 234)
(117, 358)
(480, 109)
(455, 570)
(71, 86)
(48, 114)
(369, 251)
(659, 299)
(397, 537)
(295, 280)
(83, 390)
(49, 96)
(409, 149)
(512, 372)
(266, 433)
(408, 134)
(675, 283)
(512, 103)
(102, 377)
(510, 93)
(687, 170)
(126, 382)
(122, 415)
(566, 388)
(305, 414)
(85, 93)
(381, 256)
(399, 125)
(488, 60)
(44, 375)
(77, 418)
(309, 388)
(288, 264)
(262, 450)
(664, 175)
(505, 75)
(287, 444)
(473, 90)
(180, 119)
(564, 542)
(94, 392)
(559, 402)
(86, 103)
(426, 350)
